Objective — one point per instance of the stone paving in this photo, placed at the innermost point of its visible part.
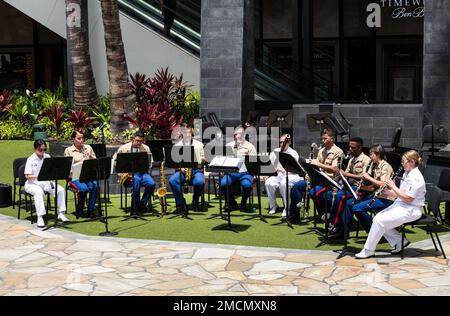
(59, 262)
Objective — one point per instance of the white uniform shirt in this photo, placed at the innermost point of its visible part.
(274, 158)
(33, 166)
(413, 184)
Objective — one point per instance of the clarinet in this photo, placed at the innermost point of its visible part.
(380, 189)
(362, 180)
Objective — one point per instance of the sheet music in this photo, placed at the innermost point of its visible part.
(348, 186)
(223, 161)
(331, 180)
(76, 170)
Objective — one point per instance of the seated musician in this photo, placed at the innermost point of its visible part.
(382, 171)
(407, 207)
(356, 167)
(139, 179)
(242, 148)
(38, 188)
(193, 176)
(279, 181)
(327, 159)
(80, 151)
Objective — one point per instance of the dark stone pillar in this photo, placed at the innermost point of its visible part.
(227, 58)
(436, 62)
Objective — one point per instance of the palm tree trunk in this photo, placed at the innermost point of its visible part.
(117, 67)
(84, 89)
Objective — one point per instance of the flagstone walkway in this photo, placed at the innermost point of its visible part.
(59, 262)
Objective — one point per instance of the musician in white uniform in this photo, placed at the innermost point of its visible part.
(407, 207)
(279, 181)
(38, 188)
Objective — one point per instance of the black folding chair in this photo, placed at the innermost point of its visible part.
(16, 164)
(430, 219)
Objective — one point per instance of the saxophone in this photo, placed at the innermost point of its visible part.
(162, 191)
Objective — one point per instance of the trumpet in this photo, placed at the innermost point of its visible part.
(380, 189)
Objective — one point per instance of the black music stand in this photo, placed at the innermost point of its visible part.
(54, 169)
(100, 151)
(225, 170)
(281, 119)
(132, 163)
(157, 148)
(98, 169)
(290, 165)
(212, 150)
(318, 177)
(347, 190)
(254, 165)
(253, 118)
(317, 121)
(186, 159)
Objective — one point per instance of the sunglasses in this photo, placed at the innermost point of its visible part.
(42, 149)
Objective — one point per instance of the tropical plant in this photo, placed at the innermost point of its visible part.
(102, 112)
(189, 109)
(102, 134)
(5, 101)
(47, 99)
(80, 120)
(14, 129)
(19, 108)
(140, 87)
(117, 66)
(56, 116)
(145, 115)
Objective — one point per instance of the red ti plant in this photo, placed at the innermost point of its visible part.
(56, 115)
(144, 117)
(139, 85)
(5, 101)
(80, 120)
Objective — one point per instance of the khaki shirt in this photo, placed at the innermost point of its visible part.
(383, 172)
(198, 147)
(330, 157)
(79, 155)
(244, 149)
(358, 165)
(126, 148)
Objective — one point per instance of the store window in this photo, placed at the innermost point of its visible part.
(326, 18)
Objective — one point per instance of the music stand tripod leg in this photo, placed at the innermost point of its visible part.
(106, 233)
(345, 250)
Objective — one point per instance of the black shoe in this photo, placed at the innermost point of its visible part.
(234, 205)
(95, 215)
(244, 208)
(294, 219)
(196, 207)
(79, 214)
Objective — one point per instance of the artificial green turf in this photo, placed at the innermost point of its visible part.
(200, 228)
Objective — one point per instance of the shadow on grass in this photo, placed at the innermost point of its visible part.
(237, 228)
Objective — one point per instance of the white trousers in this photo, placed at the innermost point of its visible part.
(385, 222)
(279, 181)
(38, 189)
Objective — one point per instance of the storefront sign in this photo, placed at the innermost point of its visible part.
(401, 9)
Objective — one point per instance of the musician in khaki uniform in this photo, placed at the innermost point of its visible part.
(140, 179)
(80, 152)
(242, 148)
(382, 172)
(356, 167)
(194, 176)
(328, 159)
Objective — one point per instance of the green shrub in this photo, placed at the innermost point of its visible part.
(96, 134)
(128, 134)
(14, 129)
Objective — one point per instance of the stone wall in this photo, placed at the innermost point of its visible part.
(374, 123)
(436, 61)
(227, 58)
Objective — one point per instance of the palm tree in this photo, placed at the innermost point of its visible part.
(84, 89)
(121, 100)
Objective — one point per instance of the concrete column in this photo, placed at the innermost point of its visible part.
(436, 62)
(227, 58)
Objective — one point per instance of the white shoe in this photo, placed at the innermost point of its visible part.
(273, 211)
(398, 247)
(328, 215)
(283, 214)
(63, 218)
(40, 222)
(364, 254)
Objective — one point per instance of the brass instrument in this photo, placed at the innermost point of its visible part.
(188, 174)
(124, 177)
(380, 189)
(304, 211)
(161, 192)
